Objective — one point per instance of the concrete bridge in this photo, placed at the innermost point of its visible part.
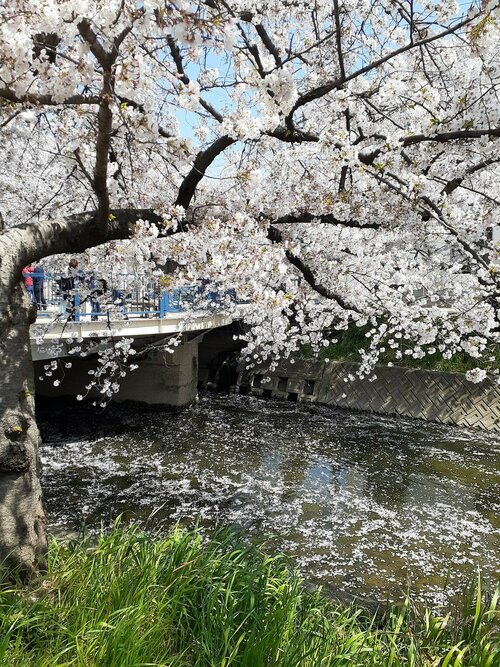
(163, 377)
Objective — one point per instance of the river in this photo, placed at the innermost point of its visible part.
(365, 505)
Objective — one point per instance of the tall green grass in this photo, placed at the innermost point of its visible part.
(129, 599)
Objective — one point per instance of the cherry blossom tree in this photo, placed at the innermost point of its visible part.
(333, 162)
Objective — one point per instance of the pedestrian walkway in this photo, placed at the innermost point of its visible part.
(129, 296)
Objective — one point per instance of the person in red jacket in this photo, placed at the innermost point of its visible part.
(28, 280)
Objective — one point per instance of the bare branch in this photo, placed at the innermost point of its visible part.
(276, 236)
(203, 160)
(177, 57)
(335, 84)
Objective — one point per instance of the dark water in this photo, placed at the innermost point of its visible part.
(365, 505)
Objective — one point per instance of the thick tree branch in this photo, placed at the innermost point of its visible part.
(205, 158)
(338, 40)
(324, 219)
(202, 161)
(253, 49)
(292, 135)
(442, 137)
(46, 100)
(298, 136)
(103, 143)
(98, 51)
(107, 61)
(23, 244)
(455, 183)
(175, 52)
(269, 44)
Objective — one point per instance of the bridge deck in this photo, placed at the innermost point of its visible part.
(56, 337)
(134, 326)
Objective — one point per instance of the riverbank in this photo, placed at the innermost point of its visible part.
(133, 599)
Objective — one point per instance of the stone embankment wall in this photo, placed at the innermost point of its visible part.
(431, 395)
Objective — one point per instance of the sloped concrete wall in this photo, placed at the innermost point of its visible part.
(431, 395)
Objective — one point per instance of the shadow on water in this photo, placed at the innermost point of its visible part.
(365, 505)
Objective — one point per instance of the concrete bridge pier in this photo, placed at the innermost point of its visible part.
(162, 378)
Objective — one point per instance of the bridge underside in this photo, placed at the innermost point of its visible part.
(169, 379)
(162, 378)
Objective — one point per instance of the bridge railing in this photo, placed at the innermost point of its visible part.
(126, 295)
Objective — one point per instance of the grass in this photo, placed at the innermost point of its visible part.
(354, 338)
(130, 599)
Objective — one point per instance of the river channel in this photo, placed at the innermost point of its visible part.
(364, 505)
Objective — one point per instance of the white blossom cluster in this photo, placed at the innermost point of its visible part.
(334, 165)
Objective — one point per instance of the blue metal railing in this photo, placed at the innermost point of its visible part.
(127, 295)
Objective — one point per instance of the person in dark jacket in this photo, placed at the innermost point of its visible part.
(70, 278)
(97, 287)
(38, 280)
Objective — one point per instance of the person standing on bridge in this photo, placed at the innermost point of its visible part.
(97, 287)
(28, 272)
(119, 278)
(38, 280)
(70, 279)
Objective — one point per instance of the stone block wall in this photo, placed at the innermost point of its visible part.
(431, 395)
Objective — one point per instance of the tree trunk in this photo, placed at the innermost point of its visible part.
(23, 540)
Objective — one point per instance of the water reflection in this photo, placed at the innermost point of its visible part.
(363, 504)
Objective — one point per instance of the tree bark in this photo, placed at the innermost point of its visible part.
(22, 516)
